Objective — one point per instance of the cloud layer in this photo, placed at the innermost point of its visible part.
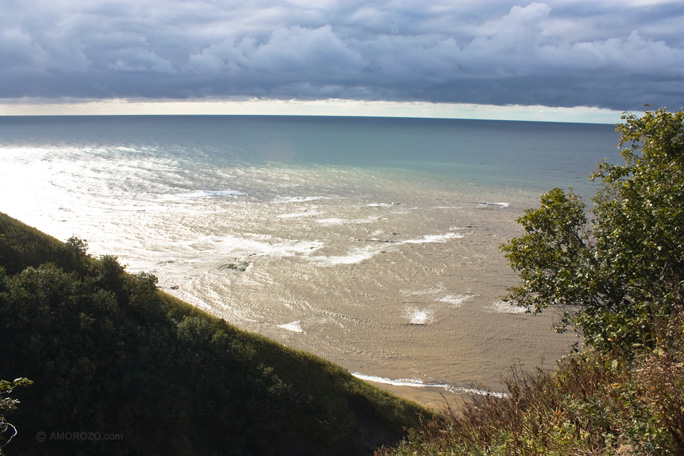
(612, 54)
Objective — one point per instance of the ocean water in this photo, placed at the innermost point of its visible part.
(370, 242)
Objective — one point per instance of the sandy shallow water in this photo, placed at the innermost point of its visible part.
(406, 293)
(395, 275)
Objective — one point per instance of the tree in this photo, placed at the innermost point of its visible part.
(618, 277)
(8, 404)
(77, 245)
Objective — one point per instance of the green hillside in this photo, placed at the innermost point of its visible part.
(119, 367)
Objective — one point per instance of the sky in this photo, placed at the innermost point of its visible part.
(441, 58)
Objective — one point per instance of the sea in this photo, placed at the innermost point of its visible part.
(370, 242)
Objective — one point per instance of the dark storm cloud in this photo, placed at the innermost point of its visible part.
(615, 54)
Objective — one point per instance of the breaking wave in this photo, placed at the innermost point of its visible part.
(416, 383)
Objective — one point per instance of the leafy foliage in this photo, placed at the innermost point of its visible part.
(617, 277)
(112, 355)
(8, 404)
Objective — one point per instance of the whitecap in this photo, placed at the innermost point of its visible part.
(292, 326)
(456, 300)
(300, 214)
(299, 199)
(424, 292)
(223, 193)
(202, 194)
(501, 205)
(364, 253)
(419, 317)
(352, 257)
(338, 221)
(381, 204)
(330, 221)
(126, 149)
(507, 307)
(265, 245)
(417, 383)
(431, 238)
(386, 381)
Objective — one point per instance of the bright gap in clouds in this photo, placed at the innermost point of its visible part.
(312, 108)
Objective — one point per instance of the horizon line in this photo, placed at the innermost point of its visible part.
(29, 107)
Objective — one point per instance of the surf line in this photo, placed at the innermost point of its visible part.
(416, 383)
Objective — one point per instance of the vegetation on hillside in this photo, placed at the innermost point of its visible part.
(617, 280)
(8, 404)
(118, 367)
(592, 404)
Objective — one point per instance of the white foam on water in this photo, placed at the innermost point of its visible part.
(352, 257)
(299, 199)
(223, 192)
(487, 204)
(417, 383)
(264, 246)
(358, 255)
(331, 221)
(338, 221)
(300, 214)
(126, 149)
(418, 316)
(292, 326)
(202, 194)
(506, 307)
(386, 381)
(433, 238)
(380, 204)
(425, 292)
(456, 300)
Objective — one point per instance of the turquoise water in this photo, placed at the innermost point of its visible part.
(528, 155)
(371, 242)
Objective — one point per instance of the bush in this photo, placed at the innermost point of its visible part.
(616, 278)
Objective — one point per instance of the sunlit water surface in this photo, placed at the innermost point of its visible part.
(370, 242)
